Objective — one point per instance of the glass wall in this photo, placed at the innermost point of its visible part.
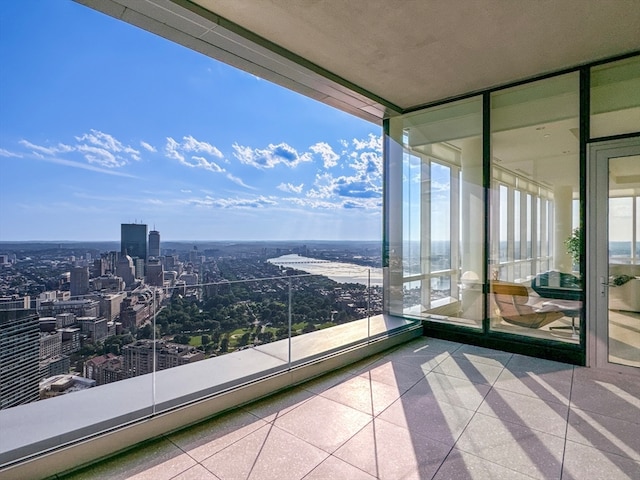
(536, 283)
(615, 98)
(436, 255)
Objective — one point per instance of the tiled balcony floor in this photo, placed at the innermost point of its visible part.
(427, 409)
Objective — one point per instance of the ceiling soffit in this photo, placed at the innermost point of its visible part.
(379, 57)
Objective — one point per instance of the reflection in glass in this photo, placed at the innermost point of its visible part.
(615, 98)
(537, 286)
(439, 245)
(624, 270)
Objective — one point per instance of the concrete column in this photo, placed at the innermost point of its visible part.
(563, 206)
(472, 228)
(393, 185)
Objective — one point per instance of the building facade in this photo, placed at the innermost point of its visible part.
(138, 356)
(19, 357)
(154, 243)
(79, 281)
(133, 240)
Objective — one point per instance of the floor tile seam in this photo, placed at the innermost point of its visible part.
(264, 442)
(439, 400)
(339, 403)
(291, 409)
(451, 404)
(426, 370)
(302, 386)
(521, 425)
(605, 451)
(371, 411)
(451, 447)
(418, 378)
(543, 364)
(463, 378)
(287, 432)
(371, 381)
(341, 460)
(546, 400)
(609, 452)
(412, 432)
(193, 466)
(455, 447)
(226, 446)
(475, 360)
(574, 407)
(432, 355)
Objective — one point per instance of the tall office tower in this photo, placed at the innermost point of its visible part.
(133, 240)
(19, 357)
(99, 267)
(154, 243)
(112, 261)
(139, 268)
(154, 274)
(126, 270)
(79, 281)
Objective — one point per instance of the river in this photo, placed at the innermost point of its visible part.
(337, 271)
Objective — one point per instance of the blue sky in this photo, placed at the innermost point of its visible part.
(102, 123)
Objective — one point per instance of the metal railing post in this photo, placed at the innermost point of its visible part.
(290, 316)
(368, 305)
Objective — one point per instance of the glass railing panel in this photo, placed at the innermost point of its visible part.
(67, 388)
(182, 342)
(327, 316)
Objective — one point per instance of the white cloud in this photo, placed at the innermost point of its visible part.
(97, 147)
(233, 203)
(101, 156)
(237, 180)
(7, 153)
(190, 144)
(148, 147)
(373, 142)
(83, 166)
(106, 143)
(42, 150)
(271, 156)
(171, 149)
(176, 151)
(202, 162)
(329, 157)
(290, 188)
(101, 150)
(359, 188)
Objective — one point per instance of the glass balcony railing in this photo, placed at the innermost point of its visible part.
(185, 342)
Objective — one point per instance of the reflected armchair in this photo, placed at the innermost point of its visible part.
(512, 301)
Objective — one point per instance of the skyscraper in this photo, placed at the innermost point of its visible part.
(133, 240)
(79, 281)
(154, 243)
(19, 357)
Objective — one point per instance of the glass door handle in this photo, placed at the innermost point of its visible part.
(603, 286)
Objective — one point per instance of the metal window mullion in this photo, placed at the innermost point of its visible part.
(425, 229)
(454, 229)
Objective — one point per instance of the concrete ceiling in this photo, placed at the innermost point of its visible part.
(378, 57)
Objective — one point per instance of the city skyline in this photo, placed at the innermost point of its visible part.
(104, 124)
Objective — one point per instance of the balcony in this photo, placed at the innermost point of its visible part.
(102, 420)
(427, 408)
